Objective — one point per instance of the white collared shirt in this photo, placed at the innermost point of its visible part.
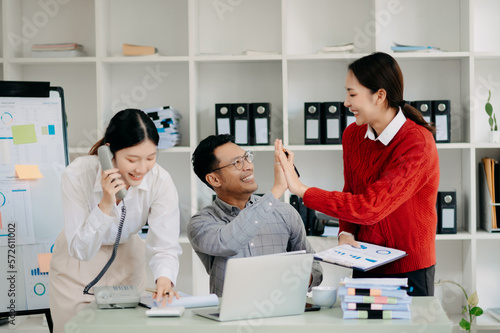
(155, 200)
(389, 132)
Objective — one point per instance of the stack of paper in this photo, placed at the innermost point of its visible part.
(57, 50)
(167, 121)
(414, 48)
(341, 48)
(374, 298)
(490, 168)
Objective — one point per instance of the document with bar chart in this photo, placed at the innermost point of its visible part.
(367, 257)
(33, 156)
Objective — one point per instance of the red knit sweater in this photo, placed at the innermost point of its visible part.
(389, 196)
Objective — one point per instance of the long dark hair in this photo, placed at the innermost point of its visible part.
(381, 71)
(127, 128)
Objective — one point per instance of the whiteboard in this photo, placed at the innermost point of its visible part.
(32, 133)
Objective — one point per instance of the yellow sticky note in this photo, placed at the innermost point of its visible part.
(24, 134)
(28, 171)
(44, 262)
(45, 130)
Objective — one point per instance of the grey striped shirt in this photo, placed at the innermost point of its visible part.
(220, 231)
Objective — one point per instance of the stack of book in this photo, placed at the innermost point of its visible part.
(374, 298)
(58, 50)
(167, 121)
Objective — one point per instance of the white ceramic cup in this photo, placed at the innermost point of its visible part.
(324, 296)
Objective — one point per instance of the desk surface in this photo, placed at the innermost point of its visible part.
(427, 316)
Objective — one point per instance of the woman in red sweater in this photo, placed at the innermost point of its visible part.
(391, 174)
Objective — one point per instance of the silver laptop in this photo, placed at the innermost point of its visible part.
(263, 286)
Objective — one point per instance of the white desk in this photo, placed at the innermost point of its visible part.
(427, 316)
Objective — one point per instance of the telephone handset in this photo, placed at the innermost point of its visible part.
(105, 158)
(114, 296)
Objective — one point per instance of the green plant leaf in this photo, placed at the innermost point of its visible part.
(476, 311)
(489, 109)
(473, 299)
(464, 310)
(465, 324)
(489, 95)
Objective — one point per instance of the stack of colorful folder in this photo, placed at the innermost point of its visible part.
(375, 298)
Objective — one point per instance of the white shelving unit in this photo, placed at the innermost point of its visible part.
(202, 62)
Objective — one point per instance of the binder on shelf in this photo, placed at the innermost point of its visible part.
(260, 117)
(487, 211)
(425, 108)
(312, 128)
(347, 117)
(442, 119)
(331, 122)
(241, 118)
(223, 123)
(447, 213)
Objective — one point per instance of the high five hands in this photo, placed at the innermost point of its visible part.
(286, 163)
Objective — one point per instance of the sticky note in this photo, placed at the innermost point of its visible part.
(23, 134)
(44, 262)
(28, 171)
(45, 130)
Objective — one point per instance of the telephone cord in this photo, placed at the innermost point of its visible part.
(113, 254)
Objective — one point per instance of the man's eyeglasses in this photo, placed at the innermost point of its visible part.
(238, 161)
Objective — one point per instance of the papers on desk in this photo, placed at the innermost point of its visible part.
(365, 258)
(187, 301)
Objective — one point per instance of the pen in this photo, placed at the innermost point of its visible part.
(297, 171)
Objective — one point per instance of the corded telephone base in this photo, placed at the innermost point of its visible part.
(116, 297)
